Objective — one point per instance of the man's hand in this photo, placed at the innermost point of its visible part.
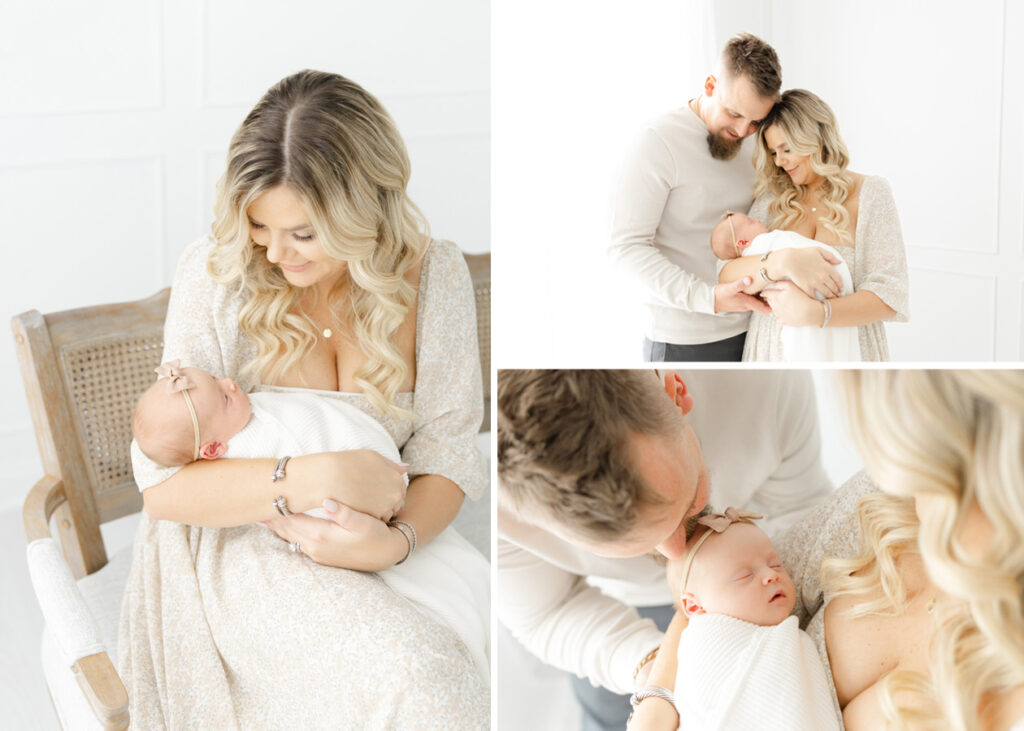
(729, 297)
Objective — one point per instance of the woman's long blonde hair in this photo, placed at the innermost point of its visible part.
(809, 126)
(336, 147)
(956, 437)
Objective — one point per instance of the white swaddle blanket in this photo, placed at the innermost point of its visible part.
(734, 675)
(801, 344)
(447, 577)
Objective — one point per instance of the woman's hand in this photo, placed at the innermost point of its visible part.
(810, 269)
(348, 539)
(792, 307)
(360, 478)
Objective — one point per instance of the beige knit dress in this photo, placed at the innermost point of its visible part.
(877, 261)
(227, 628)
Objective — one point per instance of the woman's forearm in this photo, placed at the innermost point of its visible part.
(228, 492)
(859, 308)
(744, 266)
(220, 493)
(655, 714)
(431, 504)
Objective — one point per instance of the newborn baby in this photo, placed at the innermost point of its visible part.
(739, 235)
(743, 662)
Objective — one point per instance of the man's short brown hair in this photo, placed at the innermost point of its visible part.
(565, 445)
(747, 55)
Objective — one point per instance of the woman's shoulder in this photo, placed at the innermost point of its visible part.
(874, 188)
(443, 261)
(192, 264)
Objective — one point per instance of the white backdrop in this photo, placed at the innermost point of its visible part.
(928, 94)
(115, 118)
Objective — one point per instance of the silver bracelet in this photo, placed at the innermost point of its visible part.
(650, 691)
(410, 536)
(828, 313)
(279, 469)
(282, 506)
(765, 277)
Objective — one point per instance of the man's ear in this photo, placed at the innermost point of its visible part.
(676, 390)
(691, 606)
(709, 84)
(212, 450)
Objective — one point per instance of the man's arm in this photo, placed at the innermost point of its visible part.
(638, 201)
(567, 623)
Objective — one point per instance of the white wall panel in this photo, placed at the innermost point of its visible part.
(439, 167)
(960, 320)
(917, 98)
(435, 48)
(62, 241)
(60, 57)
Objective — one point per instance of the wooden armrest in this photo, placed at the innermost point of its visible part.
(103, 689)
(42, 501)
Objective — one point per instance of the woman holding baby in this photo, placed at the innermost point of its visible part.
(318, 276)
(804, 185)
(910, 582)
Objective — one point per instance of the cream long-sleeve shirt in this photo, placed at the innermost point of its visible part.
(758, 431)
(668, 195)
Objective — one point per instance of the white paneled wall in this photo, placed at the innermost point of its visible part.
(116, 116)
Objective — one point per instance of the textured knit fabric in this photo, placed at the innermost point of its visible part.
(667, 197)
(736, 675)
(878, 261)
(831, 531)
(575, 610)
(227, 628)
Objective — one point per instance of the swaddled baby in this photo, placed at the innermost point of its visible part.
(743, 661)
(189, 414)
(739, 235)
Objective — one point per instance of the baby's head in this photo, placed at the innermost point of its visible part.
(188, 415)
(735, 572)
(734, 233)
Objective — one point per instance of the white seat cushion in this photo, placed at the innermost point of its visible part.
(103, 592)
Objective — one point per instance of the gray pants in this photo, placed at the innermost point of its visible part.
(602, 709)
(730, 349)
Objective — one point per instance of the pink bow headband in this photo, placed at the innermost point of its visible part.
(716, 523)
(178, 381)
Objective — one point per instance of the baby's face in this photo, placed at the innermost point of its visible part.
(221, 407)
(730, 242)
(738, 573)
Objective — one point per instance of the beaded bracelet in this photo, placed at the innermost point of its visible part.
(650, 691)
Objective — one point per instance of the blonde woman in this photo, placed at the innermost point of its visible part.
(914, 595)
(804, 185)
(318, 275)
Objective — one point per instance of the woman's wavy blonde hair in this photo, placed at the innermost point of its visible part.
(810, 128)
(335, 146)
(956, 437)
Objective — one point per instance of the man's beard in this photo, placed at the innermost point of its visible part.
(722, 149)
